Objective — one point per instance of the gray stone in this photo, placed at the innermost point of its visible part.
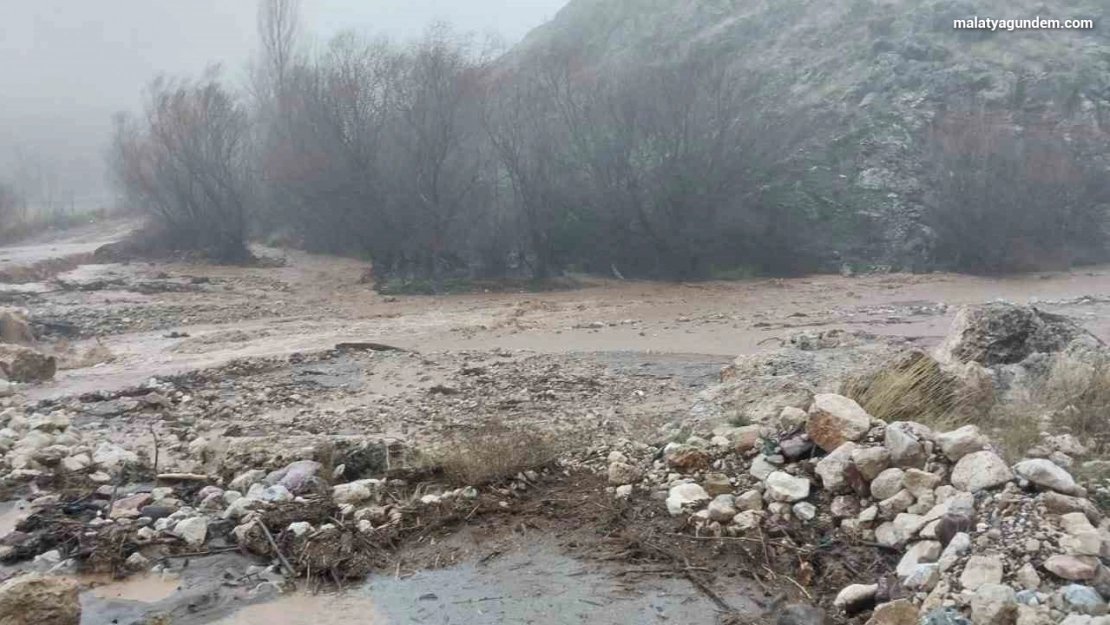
(1082, 599)
(898, 503)
(887, 484)
(844, 506)
(621, 473)
(750, 500)
(904, 445)
(981, 570)
(685, 496)
(193, 531)
(871, 461)
(943, 616)
(923, 578)
(994, 604)
(835, 420)
(1074, 568)
(805, 510)
(922, 552)
(961, 442)
(1028, 578)
(980, 470)
(856, 598)
(296, 476)
(831, 469)
(761, 468)
(723, 508)
(1047, 475)
(782, 486)
(920, 483)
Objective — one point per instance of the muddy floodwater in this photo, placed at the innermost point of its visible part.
(534, 584)
(636, 350)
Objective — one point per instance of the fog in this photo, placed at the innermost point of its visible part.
(67, 66)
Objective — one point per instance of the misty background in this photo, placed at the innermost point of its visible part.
(66, 67)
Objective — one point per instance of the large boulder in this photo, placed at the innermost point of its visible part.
(1002, 334)
(835, 420)
(15, 329)
(23, 364)
(38, 600)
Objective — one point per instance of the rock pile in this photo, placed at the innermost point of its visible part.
(999, 544)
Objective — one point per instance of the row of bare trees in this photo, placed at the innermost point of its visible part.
(437, 160)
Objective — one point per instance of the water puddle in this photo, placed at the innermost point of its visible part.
(307, 610)
(532, 586)
(146, 589)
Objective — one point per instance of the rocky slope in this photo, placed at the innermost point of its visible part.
(859, 82)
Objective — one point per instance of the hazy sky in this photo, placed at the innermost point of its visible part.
(67, 65)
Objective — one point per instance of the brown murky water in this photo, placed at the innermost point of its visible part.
(299, 609)
(143, 588)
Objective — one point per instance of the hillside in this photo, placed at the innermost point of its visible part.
(863, 82)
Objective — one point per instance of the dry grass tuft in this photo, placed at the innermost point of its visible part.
(913, 387)
(1078, 398)
(494, 453)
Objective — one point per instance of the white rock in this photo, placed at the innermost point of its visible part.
(111, 457)
(723, 508)
(957, 547)
(831, 469)
(300, 528)
(980, 470)
(805, 510)
(193, 531)
(920, 483)
(887, 484)
(1027, 577)
(747, 520)
(980, 570)
(903, 442)
(898, 503)
(685, 496)
(922, 552)
(621, 473)
(871, 461)
(356, 492)
(624, 492)
(923, 578)
(994, 604)
(961, 442)
(835, 420)
(761, 468)
(782, 486)
(1045, 474)
(750, 500)
(855, 595)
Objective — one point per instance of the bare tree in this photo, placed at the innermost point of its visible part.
(1012, 193)
(442, 158)
(279, 32)
(186, 163)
